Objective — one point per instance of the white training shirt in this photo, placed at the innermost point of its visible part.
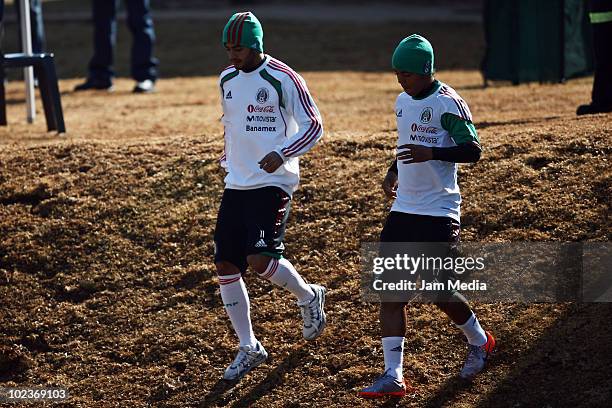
(268, 109)
(428, 188)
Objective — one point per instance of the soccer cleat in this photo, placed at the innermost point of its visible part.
(477, 358)
(385, 386)
(313, 313)
(247, 358)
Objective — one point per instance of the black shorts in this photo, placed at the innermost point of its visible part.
(251, 222)
(404, 227)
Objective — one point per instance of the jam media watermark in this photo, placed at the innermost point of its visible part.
(488, 272)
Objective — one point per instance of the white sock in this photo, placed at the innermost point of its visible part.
(393, 350)
(474, 333)
(280, 272)
(236, 301)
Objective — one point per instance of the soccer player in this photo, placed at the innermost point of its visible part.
(435, 133)
(270, 120)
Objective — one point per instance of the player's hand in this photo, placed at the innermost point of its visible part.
(389, 185)
(271, 162)
(410, 153)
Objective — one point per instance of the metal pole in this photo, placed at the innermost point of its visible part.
(28, 72)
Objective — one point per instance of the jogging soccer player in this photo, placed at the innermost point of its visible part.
(435, 133)
(270, 120)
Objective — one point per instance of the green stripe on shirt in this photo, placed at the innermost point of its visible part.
(227, 77)
(462, 131)
(275, 83)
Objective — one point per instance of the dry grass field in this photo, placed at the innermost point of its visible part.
(107, 285)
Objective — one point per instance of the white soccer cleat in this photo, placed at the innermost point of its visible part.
(477, 358)
(313, 313)
(247, 358)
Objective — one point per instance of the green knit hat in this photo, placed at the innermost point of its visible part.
(244, 29)
(414, 54)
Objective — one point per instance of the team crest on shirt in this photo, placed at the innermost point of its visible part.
(262, 95)
(426, 115)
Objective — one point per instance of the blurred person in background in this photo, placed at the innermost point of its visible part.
(600, 14)
(36, 25)
(143, 63)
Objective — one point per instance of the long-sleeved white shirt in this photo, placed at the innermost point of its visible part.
(268, 109)
(429, 188)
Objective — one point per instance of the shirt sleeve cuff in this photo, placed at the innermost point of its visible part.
(279, 150)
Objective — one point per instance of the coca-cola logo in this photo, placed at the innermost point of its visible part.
(257, 108)
(424, 129)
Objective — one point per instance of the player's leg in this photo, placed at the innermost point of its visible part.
(393, 327)
(230, 262)
(143, 63)
(455, 305)
(105, 32)
(267, 218)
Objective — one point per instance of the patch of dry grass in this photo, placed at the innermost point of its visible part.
(107, 283)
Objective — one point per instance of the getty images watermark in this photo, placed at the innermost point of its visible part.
(487, 272)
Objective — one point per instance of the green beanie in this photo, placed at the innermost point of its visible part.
(244, 29)
(414, 54)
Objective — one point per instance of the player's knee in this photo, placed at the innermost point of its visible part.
(226, 268)
(258, 262)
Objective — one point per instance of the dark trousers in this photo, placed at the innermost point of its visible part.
(140, 23)
(602, 52)
(36, 25)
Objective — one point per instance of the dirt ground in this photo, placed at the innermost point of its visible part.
(107, 285)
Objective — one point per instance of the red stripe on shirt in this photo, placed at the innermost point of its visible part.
(458, 101)
(296, 149)
(314, 121)
(315, 125)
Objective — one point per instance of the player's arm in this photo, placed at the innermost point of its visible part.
(389, 184)
(464, 134)
(301, 106)
(223, 157)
